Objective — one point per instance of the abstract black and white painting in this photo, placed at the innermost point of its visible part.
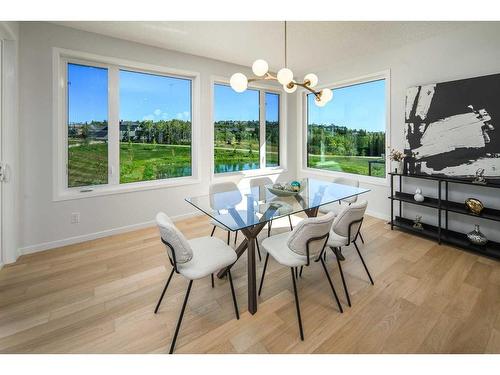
(453, 128)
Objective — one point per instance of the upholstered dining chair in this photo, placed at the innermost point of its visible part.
(222, 195)
(193, 259)
(345, 230)
(297, 248)
(264, 194)
(340, 205)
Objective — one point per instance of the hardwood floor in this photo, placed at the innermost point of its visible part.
(99, 297)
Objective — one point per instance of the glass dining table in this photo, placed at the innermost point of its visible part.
(250, 212)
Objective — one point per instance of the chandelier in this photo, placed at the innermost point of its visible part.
(239, 82)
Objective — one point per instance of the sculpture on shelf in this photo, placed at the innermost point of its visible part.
(417, 223)
(474, 205)
(479, 179)
(418, 195)
(476, 237)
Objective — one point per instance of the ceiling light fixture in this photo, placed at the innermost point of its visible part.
(239, 82)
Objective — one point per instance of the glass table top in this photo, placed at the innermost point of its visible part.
(237, 210)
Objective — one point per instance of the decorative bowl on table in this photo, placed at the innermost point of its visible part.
(286, 190)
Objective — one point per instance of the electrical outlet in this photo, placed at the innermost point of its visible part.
(75, 218)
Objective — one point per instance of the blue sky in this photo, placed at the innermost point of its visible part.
(153, 97)
(142, 96)
(358, 106)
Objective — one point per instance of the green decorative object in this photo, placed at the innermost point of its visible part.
(295, 185)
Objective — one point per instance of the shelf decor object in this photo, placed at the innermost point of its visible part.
(239, 82)
(474, 205)
(443, 206)
(479, 179)
(397, 160)
(476, 237)
(417, 223)
(418, 195)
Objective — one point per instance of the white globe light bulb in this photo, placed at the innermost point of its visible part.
(238, 82)
(285, 76)
(312, 78)
(260, 67)
(326, 95)
(320, 102)
(289, 89)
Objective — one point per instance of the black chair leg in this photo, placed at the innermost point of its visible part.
(263, 273)
(290, 221)
(236, 237)
(213, 231)
(297, 306)
(258, 249)
(212, 276)
(301, 268)
(363, 261)
(228, 237)
(164, 290)
(234, 295)
(331, 285)
(296, 273)
(174, 339)
(343, 280)
(361, 237)
(269, 225)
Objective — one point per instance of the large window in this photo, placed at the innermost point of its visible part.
(87, 91)
(125, 126)
(348, 134)
(155, 127)
(241, 129)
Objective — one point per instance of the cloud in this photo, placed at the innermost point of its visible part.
(148, 118)
(183, 115)
(157, 112)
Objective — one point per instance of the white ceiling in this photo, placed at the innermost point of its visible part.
(310, 44)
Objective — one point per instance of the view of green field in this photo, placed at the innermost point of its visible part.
(348, 164)
(88, 164)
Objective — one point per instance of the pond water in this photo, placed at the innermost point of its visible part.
(235, 167)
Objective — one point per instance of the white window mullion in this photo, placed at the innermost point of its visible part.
(262, 129)
(113, 126)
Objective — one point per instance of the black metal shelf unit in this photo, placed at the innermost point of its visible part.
(442, 233)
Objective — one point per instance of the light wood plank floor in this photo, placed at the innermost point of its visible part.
(99, 296)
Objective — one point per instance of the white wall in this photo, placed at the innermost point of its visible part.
(468, 52)
(46, 223)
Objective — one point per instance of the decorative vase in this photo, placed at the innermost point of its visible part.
(475, 206)
(397, 166)
(418, 195)
(476, 237)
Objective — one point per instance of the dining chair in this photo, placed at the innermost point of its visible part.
(193, 259)
(296, 249)
(264, 195)
(340, 205)
(222, 196)
(345, 230)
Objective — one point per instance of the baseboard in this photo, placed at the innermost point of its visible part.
(92, 236)
(378, 215)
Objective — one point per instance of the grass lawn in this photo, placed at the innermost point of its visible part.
(349, 164)
(88, 164)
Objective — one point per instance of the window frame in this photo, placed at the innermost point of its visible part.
(302, 146)
(61, 191)
(263, 170)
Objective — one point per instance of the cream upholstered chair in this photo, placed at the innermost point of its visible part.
(345, 230)
(296, 249)
(193, 259)
(264, 194)
(219, 202)
(337, 207)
